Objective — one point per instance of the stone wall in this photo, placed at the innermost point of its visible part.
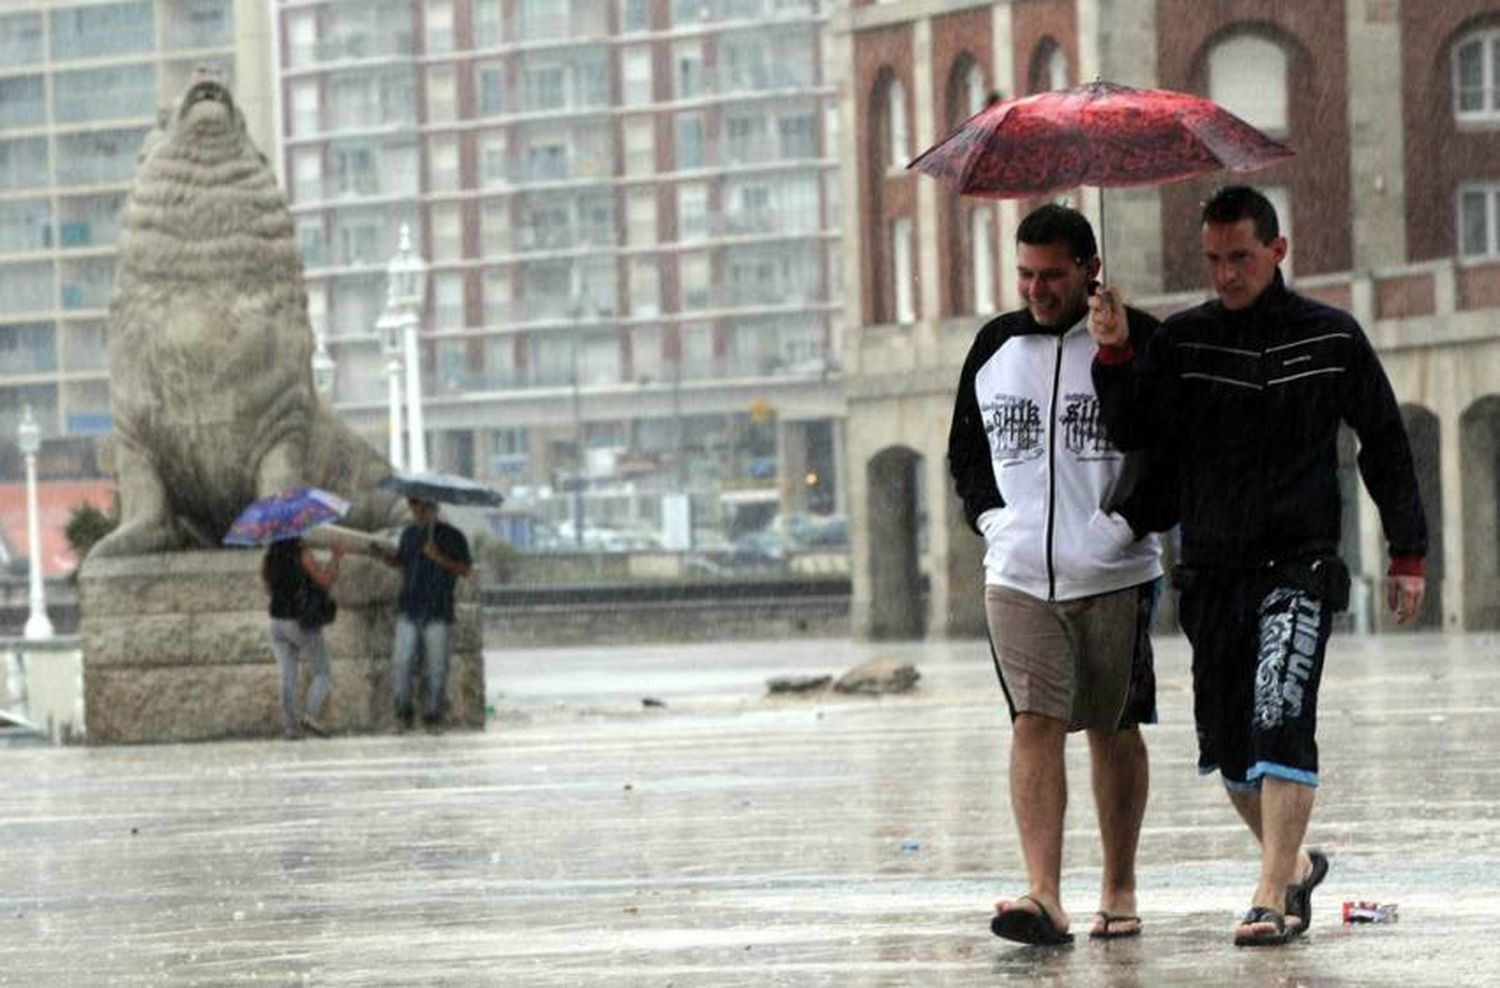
(175, 649)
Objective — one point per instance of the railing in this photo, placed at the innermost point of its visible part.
(43, 687)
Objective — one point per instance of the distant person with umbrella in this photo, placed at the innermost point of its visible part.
(1070, 570)
(297, 584)
(431, 555)
(1251, 389)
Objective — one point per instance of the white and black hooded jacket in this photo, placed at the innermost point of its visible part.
(1064, 514)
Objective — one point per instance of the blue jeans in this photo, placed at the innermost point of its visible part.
(434, 638)
(288, 638)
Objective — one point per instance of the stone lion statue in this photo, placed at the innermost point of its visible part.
(210, 348)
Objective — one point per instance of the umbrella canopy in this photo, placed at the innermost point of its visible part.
(285, 516)
(1099, 134)
(445, 487)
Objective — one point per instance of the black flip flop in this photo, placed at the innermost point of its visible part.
(1025, 926)
(1108, 932)
(1299, 896)
(1264, 914)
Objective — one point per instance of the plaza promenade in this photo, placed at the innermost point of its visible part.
(722, 838)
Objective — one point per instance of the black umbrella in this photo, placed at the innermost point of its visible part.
(444, 487)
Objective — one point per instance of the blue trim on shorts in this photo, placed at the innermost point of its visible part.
(1275, 771)
(1234, 784)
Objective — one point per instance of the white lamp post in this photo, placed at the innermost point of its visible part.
(406, 291)
(322, 368)
(38, 625)
(389, 328)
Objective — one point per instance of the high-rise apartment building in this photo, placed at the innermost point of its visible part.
(629, 208)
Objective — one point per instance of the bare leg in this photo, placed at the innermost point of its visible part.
(1121, 782)
(1039, 797)
(1277, 816)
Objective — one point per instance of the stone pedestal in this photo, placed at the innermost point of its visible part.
(175, 649)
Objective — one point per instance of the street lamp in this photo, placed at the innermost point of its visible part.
(322, 367)
(388, 327)
(406, 290)
(38, 625)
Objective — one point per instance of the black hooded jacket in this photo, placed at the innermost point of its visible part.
(1251, 400)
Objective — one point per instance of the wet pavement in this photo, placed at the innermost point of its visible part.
(727, 839)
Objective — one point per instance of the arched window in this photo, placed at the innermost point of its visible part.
(1057, 70)
(899, 134)
(1049, 67)
(1247, 75)
(974, 95)
(1476, 76)
(982, 258)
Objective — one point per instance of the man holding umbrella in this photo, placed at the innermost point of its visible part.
(431, 555)
(1250, 389)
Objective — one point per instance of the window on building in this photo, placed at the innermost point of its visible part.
(692, 212)
(21, 39)
(689, 141)
(591, 76)
(693, 272)
(23, 163)
(1476, 76)
(743, 62)
(635, 15)
(898, 132)
(1057, 69)
(489, 27)
(1247, 75)
(447, 232)
(687, 57)
(448, 300)
(497, 297)
(799, 135)
(546, 88)
(640, 218)
(439, 25)
(547, 160)
(305, 103)
(645, 287)
(975, 94)
(489, 88)
(311, 243)
(982, 263)
(90, 31)
(1281, 201)
(640, 146)
(98, 157)
(23, 101)
(25, 224)
(442, 94)
(1479, 220)
(537, 20)
(745, 139)
(903, 270)
(494, 155)
(494, 227)
(635, 76)
(307, 175)
(89, 221)
(198, 23)
(354, 170)
(442, 164)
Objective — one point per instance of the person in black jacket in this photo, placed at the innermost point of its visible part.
(1250, 390)
(1070, 570)
(294, 578)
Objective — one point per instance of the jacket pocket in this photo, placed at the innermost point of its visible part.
(1111, 532)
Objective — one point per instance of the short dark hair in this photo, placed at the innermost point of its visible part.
(1233, 203)
(1058, 224)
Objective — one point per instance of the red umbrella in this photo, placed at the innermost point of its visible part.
(1096, 134)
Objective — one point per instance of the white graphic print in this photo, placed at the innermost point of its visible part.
(1289, 621)
(1082, 432)
(1013, 424)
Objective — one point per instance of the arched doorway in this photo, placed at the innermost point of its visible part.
(897, 602)
(1424, 430)
(1479, 475)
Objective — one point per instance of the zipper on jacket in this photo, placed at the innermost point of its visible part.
(1052, 465)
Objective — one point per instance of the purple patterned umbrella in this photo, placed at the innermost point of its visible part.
(1099, 134)
(285, 516)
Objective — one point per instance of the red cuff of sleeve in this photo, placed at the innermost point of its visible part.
(1115, 354)
(1407, 566)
